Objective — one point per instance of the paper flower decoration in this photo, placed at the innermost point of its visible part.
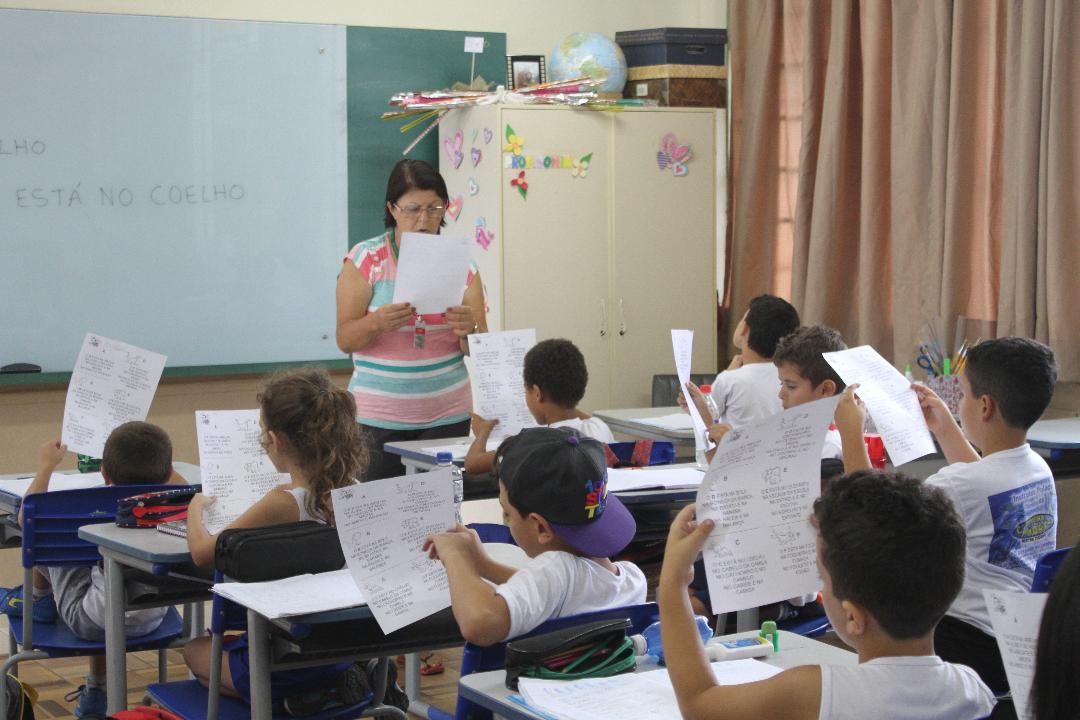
(520, 184)
(581, 167)
(514, 142)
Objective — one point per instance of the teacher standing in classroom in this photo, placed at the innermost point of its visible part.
(409, 376)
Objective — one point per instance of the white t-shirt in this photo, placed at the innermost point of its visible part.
(748, 393)
(557, 583)
(594, 427)
(833, 449)
(922, 687)
(1008, 504)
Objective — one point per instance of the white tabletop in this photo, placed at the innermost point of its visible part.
(1060, 434)
(489, 688)
(628, 422)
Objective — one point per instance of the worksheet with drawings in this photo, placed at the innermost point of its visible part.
(178, 183)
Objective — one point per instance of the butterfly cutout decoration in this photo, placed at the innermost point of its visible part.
(520, 184)
(673, 155)
(453, 208)
(483, 236)
(452, 146)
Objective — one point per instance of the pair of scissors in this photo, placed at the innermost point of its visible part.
(926, 364)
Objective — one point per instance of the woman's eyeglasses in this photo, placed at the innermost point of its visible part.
(415, 211)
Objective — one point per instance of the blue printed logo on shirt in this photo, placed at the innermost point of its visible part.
(1023, 525)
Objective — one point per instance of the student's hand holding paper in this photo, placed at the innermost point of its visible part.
(482, 427)
(50, 454)
(461, 320)
(459, 541)
(718, 431)
(392, 316)
(685, 539)
(850, 413)
(936, 412)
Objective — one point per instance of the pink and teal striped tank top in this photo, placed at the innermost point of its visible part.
(396, 385)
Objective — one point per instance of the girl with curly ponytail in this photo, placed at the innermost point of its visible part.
(309, 431)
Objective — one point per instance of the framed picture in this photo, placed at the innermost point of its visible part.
(525, 70)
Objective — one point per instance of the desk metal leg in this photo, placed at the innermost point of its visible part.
(412, 685)
(747, 620)
(115, 642)
(259, 662)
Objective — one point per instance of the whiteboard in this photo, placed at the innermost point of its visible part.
(177, 184)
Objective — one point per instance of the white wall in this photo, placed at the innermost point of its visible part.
(532, 27)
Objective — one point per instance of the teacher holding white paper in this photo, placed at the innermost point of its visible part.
(409, 378)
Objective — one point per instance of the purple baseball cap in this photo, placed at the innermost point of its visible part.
(562, 476)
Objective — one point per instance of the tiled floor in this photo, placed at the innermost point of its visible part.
(55, 678)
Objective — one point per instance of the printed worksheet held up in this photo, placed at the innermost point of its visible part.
(382, 525)
(235, 469)
(759, 490)
(496, 362)
(112, 383)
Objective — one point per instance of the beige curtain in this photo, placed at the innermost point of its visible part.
(937, 171)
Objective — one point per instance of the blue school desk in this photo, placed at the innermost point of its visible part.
(488, 689)
(151, 551)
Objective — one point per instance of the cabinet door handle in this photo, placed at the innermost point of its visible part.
(622, 319)
(603, 318)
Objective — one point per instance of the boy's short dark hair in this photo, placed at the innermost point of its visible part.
(1017, 372)
(769, 319)
(558, 368)
(137, 453)
(893, 545)
(803, 347)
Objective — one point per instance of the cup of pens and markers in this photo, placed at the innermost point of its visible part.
(943, 372)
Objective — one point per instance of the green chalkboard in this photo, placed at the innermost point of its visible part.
(384, 61)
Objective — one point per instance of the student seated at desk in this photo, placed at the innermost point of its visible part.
(804, 376)
(553, 492)
(1006, 498)
(136, 453)
(309, 431)
(890, 550)
(747, 390)
(555, 380)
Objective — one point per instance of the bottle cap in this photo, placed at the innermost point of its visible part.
(444, 458)
(706, 389)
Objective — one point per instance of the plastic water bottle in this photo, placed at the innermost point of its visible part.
(445, 459)
(648, 643)
(714, 417)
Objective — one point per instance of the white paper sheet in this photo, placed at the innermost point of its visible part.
(58, 481)
(890, 400)
(297, 595)
(112, 383)
(431, 271)
(759, 490)
(674, 421)
(235, 468)
(495, 371)
(623, 479)
(682, 342)
(382, 525)
(632, 696)
(1015, 617)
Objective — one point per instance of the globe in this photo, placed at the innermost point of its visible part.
(592, 54)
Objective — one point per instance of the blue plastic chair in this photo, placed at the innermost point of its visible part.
(1046, 568)
(50, 528)
(190, 700)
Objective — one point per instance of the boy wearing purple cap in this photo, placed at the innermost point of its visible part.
(553, 492)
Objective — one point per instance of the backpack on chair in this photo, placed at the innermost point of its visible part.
(20, 699)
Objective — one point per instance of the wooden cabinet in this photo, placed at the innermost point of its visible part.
(612, 255)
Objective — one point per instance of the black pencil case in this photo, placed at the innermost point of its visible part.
(544, 655)
(278, 551)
